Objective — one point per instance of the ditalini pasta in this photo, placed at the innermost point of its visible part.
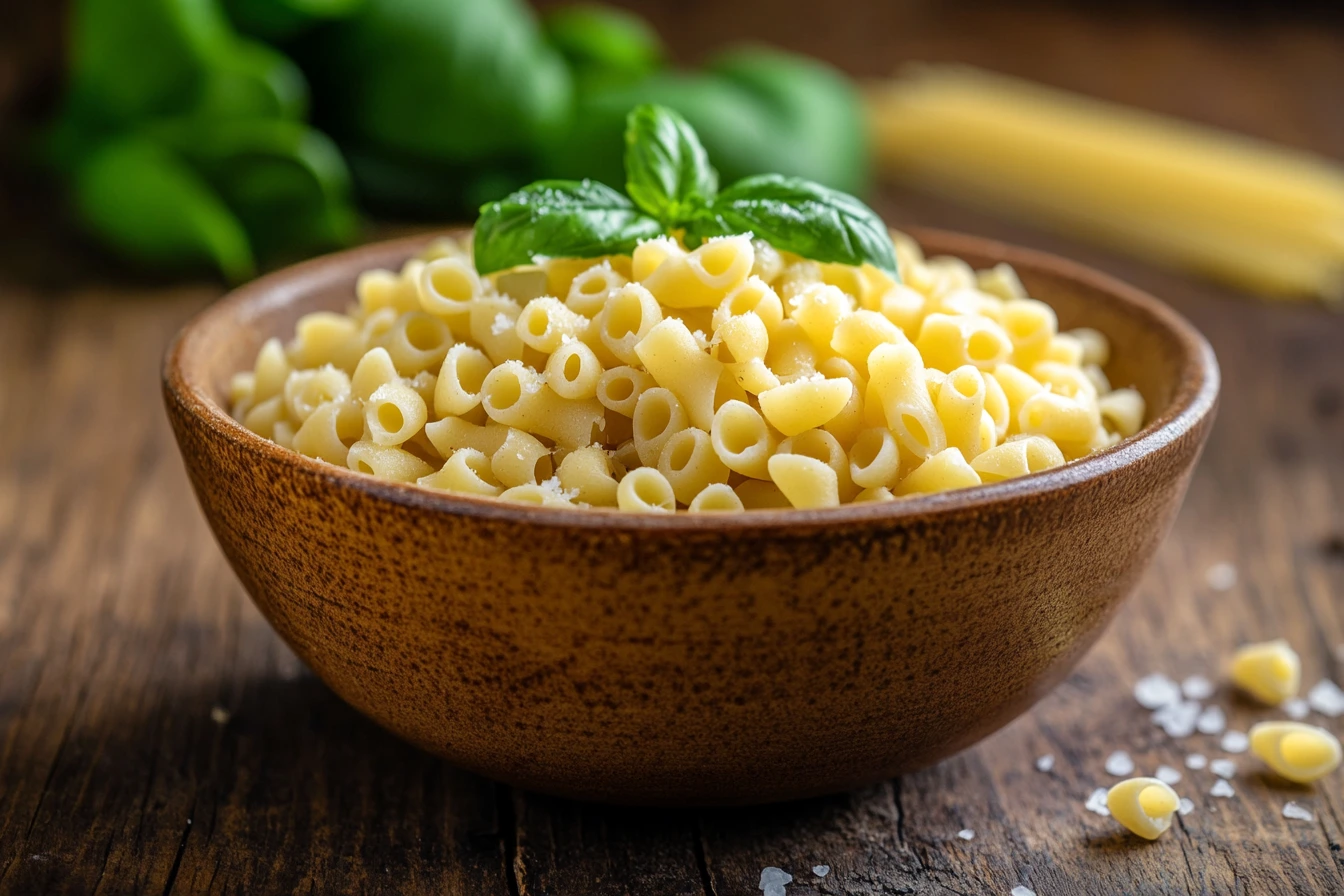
(726, 377)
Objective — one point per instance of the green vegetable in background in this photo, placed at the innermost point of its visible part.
(449, 81)
(183, 140)
(675, 188)
(154, 208)
(435, 105)
(275, 20)
(604, 47)
(756, 110)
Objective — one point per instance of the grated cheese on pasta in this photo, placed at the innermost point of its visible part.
(732, 375)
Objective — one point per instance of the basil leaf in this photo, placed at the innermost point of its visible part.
(558, 219)
(799, 216)
(667, 170)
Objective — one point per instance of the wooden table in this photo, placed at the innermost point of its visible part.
(157, 737)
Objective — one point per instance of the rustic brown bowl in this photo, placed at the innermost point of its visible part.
(688, 659)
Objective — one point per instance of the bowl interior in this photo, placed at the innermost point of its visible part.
(1153, 350)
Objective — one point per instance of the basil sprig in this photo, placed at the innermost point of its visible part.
(675, 189)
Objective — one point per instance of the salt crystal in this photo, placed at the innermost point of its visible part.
(1196, 761)
(1235, 742)
(821, 870)
(1185, 807)
(1326, 698)
(1197, 687)
(1156, 690)
(1177, 719)
(773, 881)
(1221, 577)
(1223, 768)
(1119, 764)
(1021, 891)
(219, 715)
(1097, 802)
(1222, 789)
(1045, 763)
(966, 834)
(1211, 721)
(1297, 813)
(1168, 775)
(1296, 708)
(501, 324)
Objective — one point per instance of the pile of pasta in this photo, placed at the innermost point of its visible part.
(727, 377)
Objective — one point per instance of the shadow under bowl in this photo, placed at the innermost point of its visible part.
(691, 659)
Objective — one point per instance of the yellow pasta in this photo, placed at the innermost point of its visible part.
(658, 416)
(645, 490)
(726, 377)
(521, 459)
(806, 482)
(588, 472)
(805, 404)
(942, 472)
(703, 277)
(673, 357)
(394, 413)
(590, 289)
(1017, 457)
(689, 463)
(717, 496)
(386, 462)
(573, 371)
(466, 472)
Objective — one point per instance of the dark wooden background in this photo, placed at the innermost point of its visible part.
(121, 627)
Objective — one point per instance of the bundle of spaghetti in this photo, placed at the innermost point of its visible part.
(1248, 213)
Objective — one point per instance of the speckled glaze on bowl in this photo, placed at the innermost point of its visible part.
(707, 659)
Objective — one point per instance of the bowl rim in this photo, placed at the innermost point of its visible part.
(1193, 400)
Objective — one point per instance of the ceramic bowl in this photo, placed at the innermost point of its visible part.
(691, 659)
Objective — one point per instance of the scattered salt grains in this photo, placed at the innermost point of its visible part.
(1296, 708)
(1186, 806)
(219, 715)
(1197, 687)
(1326, 698)
(1211, 721)
(1221, 577)
(821, 870)
(1222, 789)
(1196, 761)
(1177, 719)
(501, 324)
(1223, 768)
(1097, 802)
(1119, 764)
(1045, 763)
(1297, 813)
(1156, 691)
(773, 881)
(1021, 891)
(1168, 775)
(1235, 742)
(701, 340)
(966, 834)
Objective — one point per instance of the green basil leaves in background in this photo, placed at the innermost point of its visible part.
(669, 177)
(604, 46)
(418, 107)
(558, 219)
(801, 217)
(667, 171)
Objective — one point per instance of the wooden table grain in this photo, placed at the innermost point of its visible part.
(156, 736)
